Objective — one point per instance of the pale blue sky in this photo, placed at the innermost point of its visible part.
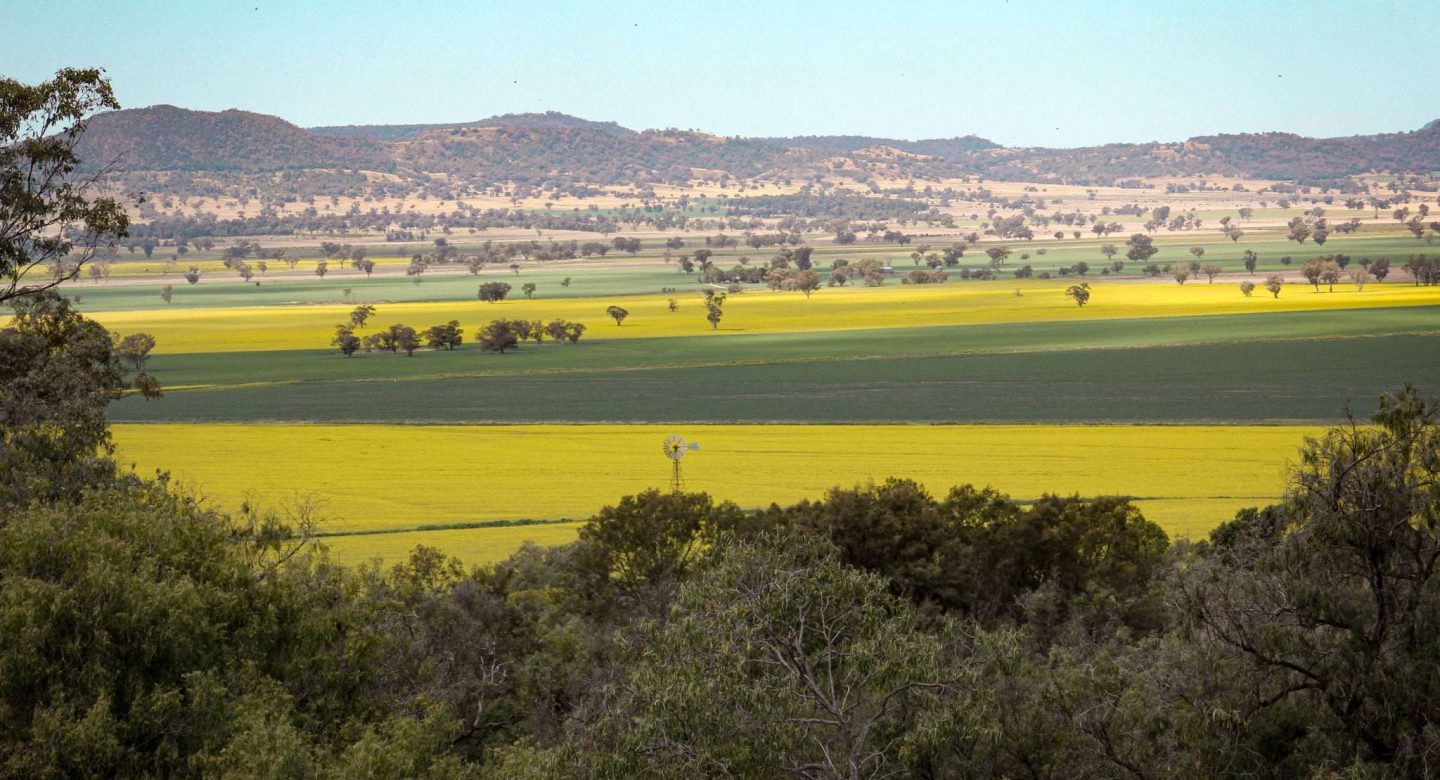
(1018, 72)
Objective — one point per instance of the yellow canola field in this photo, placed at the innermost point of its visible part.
(375, 477)
(893, 306)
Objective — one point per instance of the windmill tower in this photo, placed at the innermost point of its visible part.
(675, 449)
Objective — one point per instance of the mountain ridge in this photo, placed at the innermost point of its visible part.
(556, 146)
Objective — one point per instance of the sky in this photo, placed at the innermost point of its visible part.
(1017, 72)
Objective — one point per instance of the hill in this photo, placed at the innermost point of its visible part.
(170, 138)
(556, 147)
(551, 119)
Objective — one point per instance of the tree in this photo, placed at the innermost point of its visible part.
(1380, 268)
(997, 254)
(135, 348)
(360, 314)
(58, 372)
(1247, 287)
(167, 292)
(617, 313)
(1180, 272)
(1250, 259)
(1197, 251)
(322, 268)
(490, 292)
(1330, 274)
(1080, 292)
(650, 541)
(673, 305)
(1211, 271)
(47, 215)
(346, 340)
(1109, 250)
(1141, 248)
(1273, 283)
(1299, 231)
(777, 661)
(366, 265)
(447, 336)
(1359, 276)
(497, 336)
(1325, 602)
(714, 308)
(529, 289)
(193, 275)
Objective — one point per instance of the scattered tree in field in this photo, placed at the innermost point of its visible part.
(1181, 273)
(406, 339)
(529, 289)
(565, 282)
(1247, 287)
(1079, 292)
(1299, 231)
(925, 277)
(490, 292)
(447, 336)
(1197, 251)
(1273, 283)
(322, 268)
(1211, 271)
(515, 267)
(1380, 268)
(561, 331)
(1109, 250)
(1251, 260)
(617, 313)
(147, 385)
(135, 348)
(497, 336)
(1359, 276)
(365, 264)
(1141, 248)
(193, 275)
(47, 217)
(714, 308)
(346, 340)
(998, 254)
(246, 271)
(673, 305)
(1330, 274)
(1234, 233)
(360, 314)
(167, 292)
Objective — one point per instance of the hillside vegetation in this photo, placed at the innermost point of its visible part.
(526, 147)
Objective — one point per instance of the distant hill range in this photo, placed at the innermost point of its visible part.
(554, 147)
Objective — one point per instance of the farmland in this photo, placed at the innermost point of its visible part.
(1190, 398)
(403, 479)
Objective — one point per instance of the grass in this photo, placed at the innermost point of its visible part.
(377, 477)
(1258, 381)
(181, 331)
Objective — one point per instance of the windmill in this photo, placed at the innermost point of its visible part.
(675, 449)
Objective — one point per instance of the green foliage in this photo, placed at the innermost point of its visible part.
(58, 371)
(47, 217)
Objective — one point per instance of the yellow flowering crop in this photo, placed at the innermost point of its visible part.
(377, 477)
(311, 327)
